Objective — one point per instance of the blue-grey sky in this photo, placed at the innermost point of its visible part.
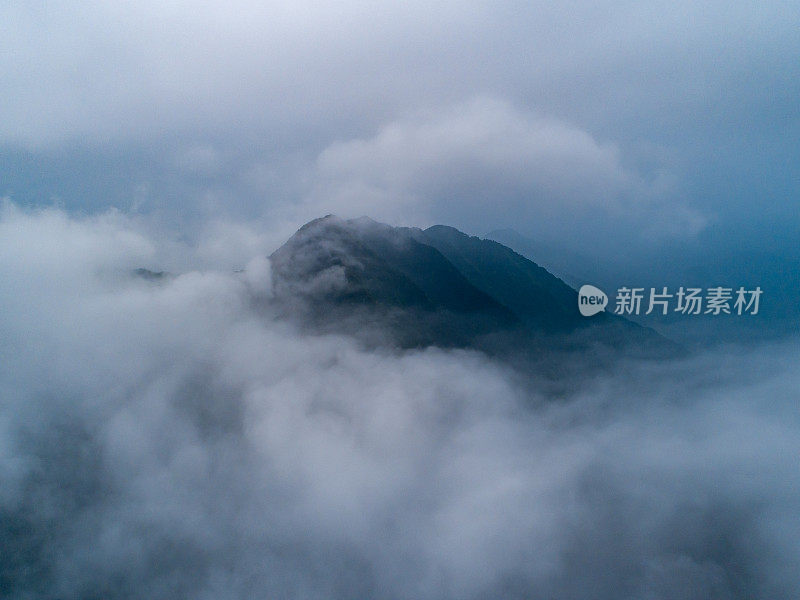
(660, 136)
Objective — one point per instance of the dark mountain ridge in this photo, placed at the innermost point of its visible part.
(439, 286)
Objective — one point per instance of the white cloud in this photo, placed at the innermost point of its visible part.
(172, 440)
(484, 160)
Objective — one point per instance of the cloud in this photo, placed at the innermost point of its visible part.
(174, 439)
(483, 160)
(199, 158)
(98, 72)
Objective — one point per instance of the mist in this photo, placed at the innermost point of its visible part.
(173, 438)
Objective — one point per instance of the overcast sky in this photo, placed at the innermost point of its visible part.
(662, 136)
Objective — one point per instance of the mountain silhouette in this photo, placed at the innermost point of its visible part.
(439, 286)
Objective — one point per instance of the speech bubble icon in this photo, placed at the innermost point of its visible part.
(591, 300)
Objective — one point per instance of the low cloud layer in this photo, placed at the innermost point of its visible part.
(172, 439)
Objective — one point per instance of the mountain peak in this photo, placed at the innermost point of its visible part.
(437, 286)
